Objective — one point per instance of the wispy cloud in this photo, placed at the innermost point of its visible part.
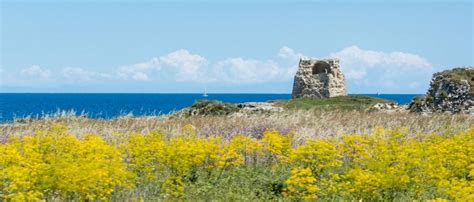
(35, 71)
(358, 62)
(179, 65)
(288, 53)
(80, 74)
(363, 68)
(354, 54)
(138, 71)
(240, 70)
(185, 65)
(383, 71)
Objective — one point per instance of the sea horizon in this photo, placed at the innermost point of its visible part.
(111, 105)
(372, 93)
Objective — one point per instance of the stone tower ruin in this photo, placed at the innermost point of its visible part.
(319, 79)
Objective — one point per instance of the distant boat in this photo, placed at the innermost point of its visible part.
(205, 93)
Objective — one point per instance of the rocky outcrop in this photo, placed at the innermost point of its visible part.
(319, 79)
(384, 106)
(211, 107)
(450, 91)
(389, 108)
(219, 108)
(259, 107)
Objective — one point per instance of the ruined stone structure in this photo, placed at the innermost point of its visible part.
(450, 91)
(319, 79)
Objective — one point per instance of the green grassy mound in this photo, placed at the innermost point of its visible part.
(342, 102)
(212, 107)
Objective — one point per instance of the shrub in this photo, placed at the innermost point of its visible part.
(56, 164)
(212, 107)
(386, 165)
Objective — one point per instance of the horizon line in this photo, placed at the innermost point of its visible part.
(199, 93)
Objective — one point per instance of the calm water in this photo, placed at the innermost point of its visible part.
(19, 105)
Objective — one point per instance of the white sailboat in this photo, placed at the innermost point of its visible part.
(205, 93)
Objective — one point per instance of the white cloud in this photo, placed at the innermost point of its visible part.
(188, 67)
(183, 66)
(239, 70)
(357, 63)
(36, 71)
(179, 65)
(139, 71)
(357, 59)
(140, 76)
(366, 70)
(377, 70)
(288, 53)
(80, 74)
(355, 74)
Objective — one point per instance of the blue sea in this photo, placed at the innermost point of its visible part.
(110, 105)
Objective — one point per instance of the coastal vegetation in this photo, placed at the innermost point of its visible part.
(55, 163)
(325, 149)
(306, 123)
(212, 107)
(340, 102)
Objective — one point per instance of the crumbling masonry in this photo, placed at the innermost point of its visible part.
(319, 79)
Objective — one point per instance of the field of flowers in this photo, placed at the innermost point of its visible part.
(383, 164)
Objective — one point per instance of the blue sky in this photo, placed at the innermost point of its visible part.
(227, 46)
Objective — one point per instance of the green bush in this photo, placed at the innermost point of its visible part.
(212, 107)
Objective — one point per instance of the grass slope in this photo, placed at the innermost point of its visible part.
(342, 102)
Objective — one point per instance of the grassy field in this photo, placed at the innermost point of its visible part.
(306, 153)
(342, 102)
(305, 123)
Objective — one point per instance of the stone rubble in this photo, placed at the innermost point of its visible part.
(447, 94)
(259, 107)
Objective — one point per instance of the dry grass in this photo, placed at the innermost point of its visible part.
(304, 123)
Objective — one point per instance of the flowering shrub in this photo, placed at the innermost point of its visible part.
(279, 146)
(54, 163)
(173, 187)
(319, 155)
(301, 184)
(386, 164)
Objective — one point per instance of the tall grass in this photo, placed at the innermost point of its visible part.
(305, 123)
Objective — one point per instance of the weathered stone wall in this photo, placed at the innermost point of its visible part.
(319, 79)
(450, 91)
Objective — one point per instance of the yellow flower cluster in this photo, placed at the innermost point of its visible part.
(278, 145)
(383, 165)
(318, 155)
(301, 184)
(54, 163)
